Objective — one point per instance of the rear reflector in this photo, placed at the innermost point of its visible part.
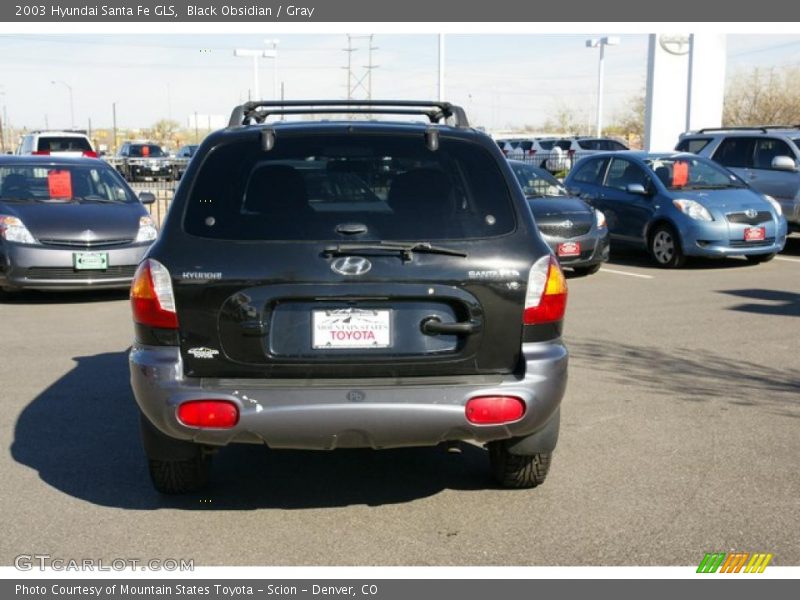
(494, 410)
(218, 414)
(546, 296)
(152, 301)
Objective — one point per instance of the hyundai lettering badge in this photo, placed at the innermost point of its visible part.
(351, 265)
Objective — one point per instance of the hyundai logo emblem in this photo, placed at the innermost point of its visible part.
(351, 265)
(751, 213)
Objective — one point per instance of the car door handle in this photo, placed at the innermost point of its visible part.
(434, 326)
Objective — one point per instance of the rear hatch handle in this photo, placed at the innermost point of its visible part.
(435, 326)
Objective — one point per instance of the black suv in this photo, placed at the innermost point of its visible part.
(348, 283)
(143, 161)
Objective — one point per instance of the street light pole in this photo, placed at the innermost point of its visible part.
(601, 43)
(71, 105)
(441, 67)
(273, 53)
(114, 126)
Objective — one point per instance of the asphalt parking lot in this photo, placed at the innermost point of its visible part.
(679, 437)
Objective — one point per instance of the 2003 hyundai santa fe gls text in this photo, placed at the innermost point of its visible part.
(346, 283)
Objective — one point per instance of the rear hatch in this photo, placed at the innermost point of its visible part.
(350, 255)
(67, 145)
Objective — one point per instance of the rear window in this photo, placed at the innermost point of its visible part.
(589, 144)
(563, 144)
(306, 186)
(693, 145)
(547, 145)
(63, 144)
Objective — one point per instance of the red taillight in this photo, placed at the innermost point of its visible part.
(41, 152)
(219, 414)
(152, 300)
(546, 296)
(494, 410)
(90, 153)
(531, 152)
(570, 153)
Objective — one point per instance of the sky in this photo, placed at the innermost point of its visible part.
(503, 81)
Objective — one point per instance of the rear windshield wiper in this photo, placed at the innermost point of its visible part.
(95, 199)
(405, 249)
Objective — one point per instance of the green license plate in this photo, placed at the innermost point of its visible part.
(94, 261)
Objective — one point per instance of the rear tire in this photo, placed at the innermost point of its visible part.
(757, 259)
(584, 271)
(176, 466)
(665, 247)
(518, 470)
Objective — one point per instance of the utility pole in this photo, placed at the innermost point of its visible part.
(196, 133)
(114, 121)
(71, 105)
(354, 81)
(441, 67)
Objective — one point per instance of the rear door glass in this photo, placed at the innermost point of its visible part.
(306, 186)
(693, 145)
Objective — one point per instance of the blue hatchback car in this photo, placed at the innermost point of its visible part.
(679, 205)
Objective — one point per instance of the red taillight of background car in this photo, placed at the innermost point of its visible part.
(215, 414)
(152, 301)
(41, 152)
(494, 410)
(90, 153)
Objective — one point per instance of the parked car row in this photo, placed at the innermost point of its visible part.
(556, 155)
(135, 160)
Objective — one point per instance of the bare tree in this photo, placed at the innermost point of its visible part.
(628, 123)
(568, 121)
(763, 97)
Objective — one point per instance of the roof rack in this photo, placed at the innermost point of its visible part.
(258, 111)
(763, 129)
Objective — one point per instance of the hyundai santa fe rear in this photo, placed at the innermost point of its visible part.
(340, 284)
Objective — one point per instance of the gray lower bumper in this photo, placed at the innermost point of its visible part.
(322, 415)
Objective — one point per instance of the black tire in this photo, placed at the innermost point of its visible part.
(665, 247)
(757, 259)
(516, 470)
(176, 466)
(584, 271)
(175, 477)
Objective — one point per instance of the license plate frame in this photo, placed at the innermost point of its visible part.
(90, 261)
(755, 234)
(351, 329)
(568, 249)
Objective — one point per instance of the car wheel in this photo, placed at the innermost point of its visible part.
(665, 247)
(518, 470)
(760, 258)
(584, 271)
(176, 466)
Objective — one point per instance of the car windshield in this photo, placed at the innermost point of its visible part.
(61, 183)
(312, 187)
(537, 183)
(687, 173)
(147, 151)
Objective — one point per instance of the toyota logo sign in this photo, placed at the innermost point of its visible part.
(351, 265)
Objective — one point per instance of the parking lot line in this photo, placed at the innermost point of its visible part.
(795, 260)
(604, 270)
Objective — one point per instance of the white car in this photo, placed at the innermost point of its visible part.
(57, 143)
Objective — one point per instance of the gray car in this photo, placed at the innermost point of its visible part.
(69, 223)
(767, 158)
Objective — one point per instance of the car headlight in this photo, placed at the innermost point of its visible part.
(693, 210)
(774, 203)
(147, 230)
(600, 218)
(13, 229)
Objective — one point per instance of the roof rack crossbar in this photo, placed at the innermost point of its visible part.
(762, 129)
(259, 111)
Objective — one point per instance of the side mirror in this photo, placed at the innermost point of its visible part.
(147, 198)
(784, 163)
(636, 188)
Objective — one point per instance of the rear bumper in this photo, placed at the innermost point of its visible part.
(51, 268)
(328, 414)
